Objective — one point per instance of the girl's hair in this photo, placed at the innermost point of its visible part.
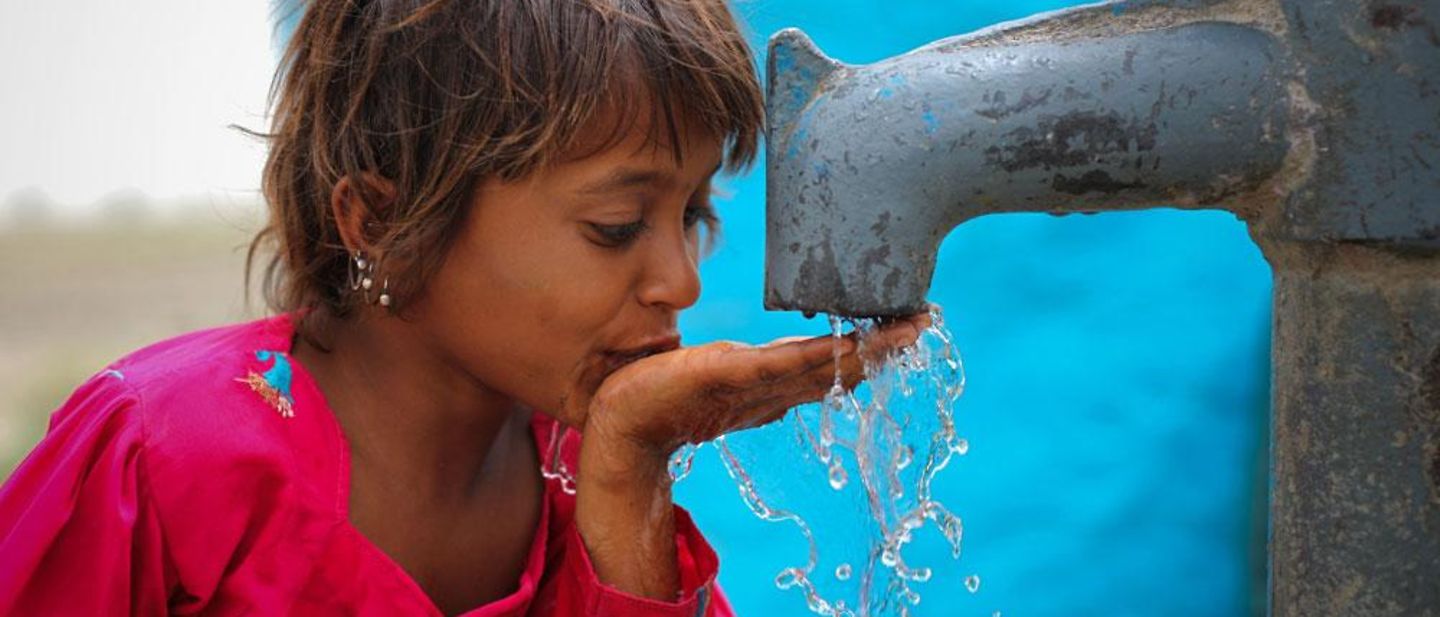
(434, 96)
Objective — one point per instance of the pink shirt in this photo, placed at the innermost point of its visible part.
(206, 475)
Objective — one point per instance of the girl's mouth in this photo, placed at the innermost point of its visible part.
(616, 359)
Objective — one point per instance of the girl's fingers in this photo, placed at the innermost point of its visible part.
(779, 360)
(786, 340)
(894, 335)
(805, 369)
(797, 370)
(807, 387)
(770, 402)
(761, 414)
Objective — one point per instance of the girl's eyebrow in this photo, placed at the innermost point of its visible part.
(628, 178)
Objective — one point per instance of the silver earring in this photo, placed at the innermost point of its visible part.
(359, 271)
(362, 274)
(362, 279)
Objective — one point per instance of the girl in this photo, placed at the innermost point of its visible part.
(485, 218)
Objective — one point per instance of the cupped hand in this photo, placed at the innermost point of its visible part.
(648, 408)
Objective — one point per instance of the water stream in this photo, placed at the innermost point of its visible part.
(878, 449)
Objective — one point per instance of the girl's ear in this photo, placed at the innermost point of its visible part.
(354, 202)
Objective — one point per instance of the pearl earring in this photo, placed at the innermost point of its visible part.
(360, 272)
(362, 279)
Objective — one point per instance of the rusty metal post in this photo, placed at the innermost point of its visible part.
(1315, 121)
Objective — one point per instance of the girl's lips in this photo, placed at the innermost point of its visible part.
(649, 347)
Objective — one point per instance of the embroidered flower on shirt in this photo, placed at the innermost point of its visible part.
(274, 384)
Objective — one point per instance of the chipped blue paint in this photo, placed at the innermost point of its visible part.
(801, 133)
(795, 74)
(796, 138)
(932, 124)
(784, 60)
(821, 169)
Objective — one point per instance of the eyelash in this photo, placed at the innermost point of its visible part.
(619, 236)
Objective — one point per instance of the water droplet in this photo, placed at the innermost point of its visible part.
(838, 477)
(681, 462)
(787, 578)
(842, 571)
(961, 447)
(972, 583)
(904, 457)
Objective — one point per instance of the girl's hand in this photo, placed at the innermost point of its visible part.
(645, 410)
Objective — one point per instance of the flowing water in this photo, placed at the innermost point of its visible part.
(878, 449)
(875, 452)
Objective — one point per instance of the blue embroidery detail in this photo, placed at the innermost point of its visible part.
(279, 375)
(116, 374)
(274, 384)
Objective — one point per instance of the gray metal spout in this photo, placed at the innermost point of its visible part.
(1315, 121)
(1106, 107)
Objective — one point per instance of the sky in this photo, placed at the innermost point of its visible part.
(101, 99)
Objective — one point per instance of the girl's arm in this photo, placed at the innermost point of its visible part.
(79, 533)
(624, 512)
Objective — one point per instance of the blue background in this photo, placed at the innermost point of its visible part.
(1116, 408)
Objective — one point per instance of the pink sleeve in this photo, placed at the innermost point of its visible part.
(574, 588)
(78, 532)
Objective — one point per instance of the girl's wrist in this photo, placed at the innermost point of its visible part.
(609, 453)
(620, 464)
(624, 515)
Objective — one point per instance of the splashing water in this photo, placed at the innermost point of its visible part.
(557, 470)
(866, 445)
(682, 461)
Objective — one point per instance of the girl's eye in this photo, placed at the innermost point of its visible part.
(619, 236)
(700, 212)
(616, 236)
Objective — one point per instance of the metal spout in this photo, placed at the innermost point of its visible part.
(1106, 107)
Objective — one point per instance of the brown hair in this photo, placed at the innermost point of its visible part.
(434, 96)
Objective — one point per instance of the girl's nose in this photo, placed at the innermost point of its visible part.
(672, 276)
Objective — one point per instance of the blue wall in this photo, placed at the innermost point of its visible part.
(1117, 385)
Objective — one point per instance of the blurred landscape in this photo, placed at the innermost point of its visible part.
(80, 291)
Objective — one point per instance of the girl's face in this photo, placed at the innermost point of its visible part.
(557, 279)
